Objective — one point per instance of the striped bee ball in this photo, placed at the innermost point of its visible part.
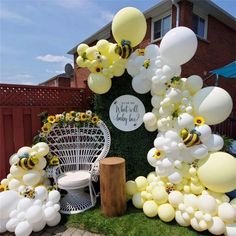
(123, 51)
(28, 163)
(190, 138)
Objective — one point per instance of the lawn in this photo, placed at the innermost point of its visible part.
(133, 223)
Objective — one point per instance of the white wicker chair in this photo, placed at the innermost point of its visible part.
(79, 151)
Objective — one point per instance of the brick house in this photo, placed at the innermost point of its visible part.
(214, 28)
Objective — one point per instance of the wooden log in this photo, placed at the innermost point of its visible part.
(112, 186)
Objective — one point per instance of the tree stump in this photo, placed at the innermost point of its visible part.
(112, 186)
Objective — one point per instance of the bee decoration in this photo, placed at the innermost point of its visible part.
(28, 163)
(29, 192)
(190, 138)
(124, 50)
(54, 161)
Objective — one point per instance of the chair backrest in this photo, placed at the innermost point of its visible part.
(81, 146)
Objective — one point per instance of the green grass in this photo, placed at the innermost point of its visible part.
(132, 223)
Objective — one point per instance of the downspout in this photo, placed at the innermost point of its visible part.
(174, 2)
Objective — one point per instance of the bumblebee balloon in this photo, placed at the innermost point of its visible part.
(125, 50)
(190, 138)
(28, 163)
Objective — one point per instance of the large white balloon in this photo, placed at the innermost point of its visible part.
(214, 143)
(24, 204)
(11, 224)
(38, 226)
(32, 178)
(214, 104)
(194, 83)
(178, 46)
(55, 221)
(34, 214)
(8, 202)
(54, 196)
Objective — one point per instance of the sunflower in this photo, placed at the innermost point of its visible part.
(51, 119)
(69, 117)
(58, 117)
(72, 113)
(83, 116)
(46, 127)
(146, 63)
(3, 188)
(199, 120)
(158, 154)
(95, 119)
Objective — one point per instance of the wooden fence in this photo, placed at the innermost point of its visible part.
(20, 106)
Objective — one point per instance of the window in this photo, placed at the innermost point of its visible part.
(199, 26)
(161, 27)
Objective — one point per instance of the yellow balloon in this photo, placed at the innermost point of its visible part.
(112, 55)
(81, 48)
(118, 70)
(91, 52)
(218, 172)
(129, 24)
(103, 46)
(159, 194)
(131, 187)
(98, 83)
(80, 61)
(166, 212)
(141, 182)
(137, 200)
(150, 208)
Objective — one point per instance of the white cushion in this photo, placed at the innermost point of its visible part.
(74, 179)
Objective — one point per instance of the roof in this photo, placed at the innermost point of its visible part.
(64, 75)
(164, 5)
(228, 71)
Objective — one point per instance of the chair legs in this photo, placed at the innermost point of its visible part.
(77, 200)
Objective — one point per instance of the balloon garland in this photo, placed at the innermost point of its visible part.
(191, 176)
(28, 201)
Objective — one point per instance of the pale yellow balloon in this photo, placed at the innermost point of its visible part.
(131, 187)
(103, 46)
(214, 104)
(129, 24)
(218, 172)
(166, 212)
(82, 48)
(14, 184)
(41, 148)
(41, 164)
(141, 182)
(98, 83)
(175, 198)
(233, 202)
(137, 200)
(159, 194)
(91, 52)
(118, 70)
(151, 177)
(112, 54)
(17, 171)
(80, 61)
(32, 178)
(150, 208)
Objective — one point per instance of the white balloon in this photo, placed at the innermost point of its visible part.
(17, 171)
(198, 151)
(194, 83)
(214, 104)
(32, 178)
(49, 213)
(191, 200)
(38, 202)
(56, 207)
(23, 229)
(174, 94)
(149, 119)
(217, 227)
(155, 101)
(151, 160)
(41, 148)
(34, 214)
(8, 202)
(55, 221)
(227, 212)
(41, 193)
(158, 89)
(24, 150)
(205, 131)
(150, 128)
(207, 204)
(214, 143)
(40, 225)
(41, 164)
(141, 85)
(185, 121)
(54, 196)
(168, 71)
(180, 220)
(152, 51)
(132, 69)
(178, 45)
(175, 177)
(3, 223)
(14, 159)
(14, 184)
(11, 224)
(24, 204)
(230, 230)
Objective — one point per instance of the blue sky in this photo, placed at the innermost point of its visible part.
(36, 34)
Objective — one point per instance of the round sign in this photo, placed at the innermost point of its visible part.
(126, 113)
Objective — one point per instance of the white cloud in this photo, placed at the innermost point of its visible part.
(55, 59)
(18, 79)
(9, 15)
(107, 15)
(72, 3)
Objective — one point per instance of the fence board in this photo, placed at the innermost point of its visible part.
(20, 106)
